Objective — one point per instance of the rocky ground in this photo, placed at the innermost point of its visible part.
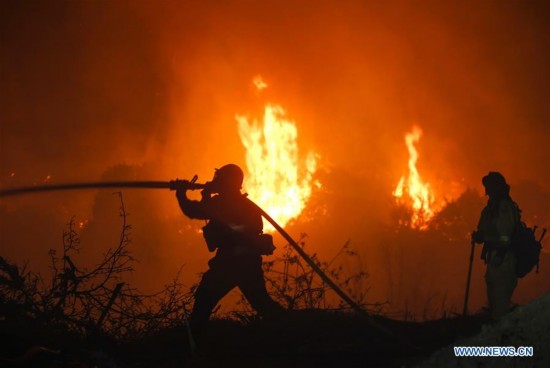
(527, 325)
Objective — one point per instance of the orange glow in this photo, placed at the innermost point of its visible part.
(412, 191)
(259, 83)
(47, 178)
(277, 181)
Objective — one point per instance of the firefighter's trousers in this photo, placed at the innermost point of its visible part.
(225, 273)
(501, 281)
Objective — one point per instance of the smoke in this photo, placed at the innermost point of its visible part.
(150, 90)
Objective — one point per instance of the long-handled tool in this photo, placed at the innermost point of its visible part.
(540, 242)
(465, 310)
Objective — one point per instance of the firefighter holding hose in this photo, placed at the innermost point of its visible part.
(234, 231)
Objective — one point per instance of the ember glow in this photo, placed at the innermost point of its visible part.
(277, 180)
(412, 191)
(259, 83)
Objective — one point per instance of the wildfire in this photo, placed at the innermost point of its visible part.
(277, 181)
(411, 190)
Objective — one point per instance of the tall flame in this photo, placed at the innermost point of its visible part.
(276, 179)
(412, 190)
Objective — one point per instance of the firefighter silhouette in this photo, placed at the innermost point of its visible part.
(495, 230)
(234, 231)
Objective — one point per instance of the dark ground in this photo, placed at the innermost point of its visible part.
(313, 338)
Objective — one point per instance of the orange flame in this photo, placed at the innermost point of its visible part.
(417, 193)
(276, 180)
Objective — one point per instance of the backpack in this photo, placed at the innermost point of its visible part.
(526, 248)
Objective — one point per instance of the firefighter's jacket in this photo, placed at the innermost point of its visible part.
(497, 226)
(233, 223)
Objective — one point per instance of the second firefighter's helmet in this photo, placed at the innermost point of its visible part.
(495, 184)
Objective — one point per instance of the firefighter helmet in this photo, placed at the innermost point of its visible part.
(229, 176)
(495, 184)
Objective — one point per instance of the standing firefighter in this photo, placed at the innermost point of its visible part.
(234, 229)
(495, 230)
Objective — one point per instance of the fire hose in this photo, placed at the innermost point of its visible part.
(192, 185)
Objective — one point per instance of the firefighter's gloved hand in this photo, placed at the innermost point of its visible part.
(206, 193)
(477, 237)
(181, 189)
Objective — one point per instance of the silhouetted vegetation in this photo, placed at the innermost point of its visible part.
(87, 317)
(90, 301)
(97, 303)
(294, 285)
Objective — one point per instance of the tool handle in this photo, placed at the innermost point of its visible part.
(542, 235)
